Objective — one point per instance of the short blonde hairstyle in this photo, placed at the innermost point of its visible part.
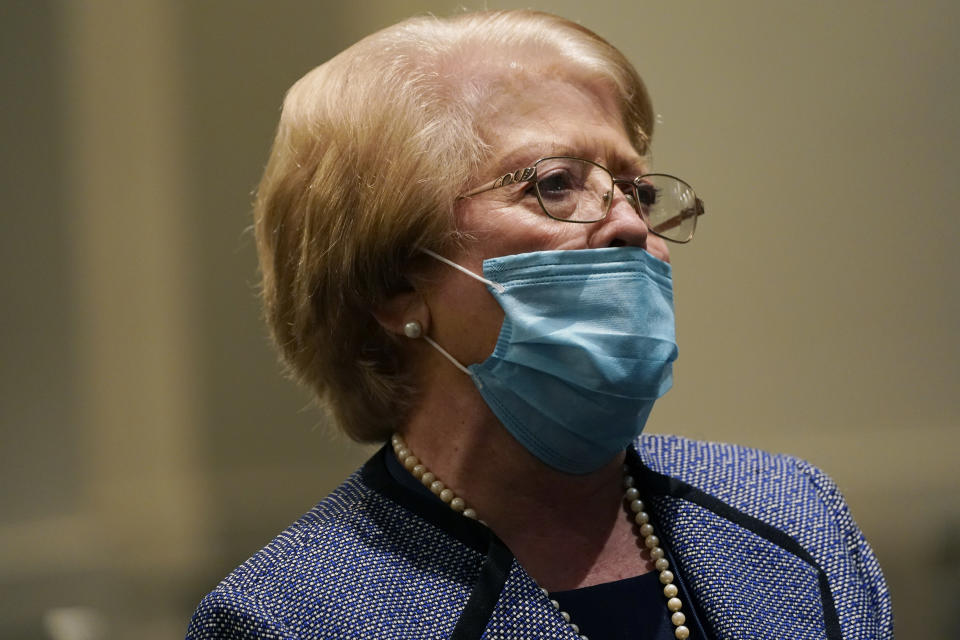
(371, 151)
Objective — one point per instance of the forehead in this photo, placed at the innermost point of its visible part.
(547, 116)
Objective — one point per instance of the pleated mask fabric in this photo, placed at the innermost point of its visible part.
(586, 348)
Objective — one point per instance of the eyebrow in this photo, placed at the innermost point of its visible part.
(525, 155)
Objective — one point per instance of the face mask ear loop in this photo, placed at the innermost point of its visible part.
(496, 285)
(447, 355)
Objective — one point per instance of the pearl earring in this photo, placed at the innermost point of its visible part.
(412, 329)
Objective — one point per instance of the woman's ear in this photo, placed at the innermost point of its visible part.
(400, 309)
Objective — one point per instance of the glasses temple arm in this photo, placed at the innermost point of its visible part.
(695, 211)
(520, 175)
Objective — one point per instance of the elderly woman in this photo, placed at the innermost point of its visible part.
(465, 254)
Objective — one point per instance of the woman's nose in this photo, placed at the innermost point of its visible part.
(623, 225)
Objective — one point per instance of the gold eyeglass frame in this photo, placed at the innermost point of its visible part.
(529, 174)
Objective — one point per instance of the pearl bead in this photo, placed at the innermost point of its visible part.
(636, 506)
(427, 478)
(681, 633)
(632, 494)
(457, 504)
(412, 329)
(666, 577)
(436, 487)
(674, 604)
(411, 462)
(418, 471)
(678, 618)
(556, 605)
(575, 628)
(566, 616)
(446, 494)
(656, 553)
(628, 482)
(402, 453)
(642, 518)
(662, 564)
(646, 530)
(470, 513)
(651, 542)
(395, 439)
(670, 590)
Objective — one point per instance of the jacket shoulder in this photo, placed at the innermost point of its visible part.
(730, 472)
(356, 565)
(226, 614)
(790, 495)
(783, 491)
(252, 600)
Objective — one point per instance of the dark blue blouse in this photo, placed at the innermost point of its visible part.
(626, 609)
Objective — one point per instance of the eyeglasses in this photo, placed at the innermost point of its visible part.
(577, 190)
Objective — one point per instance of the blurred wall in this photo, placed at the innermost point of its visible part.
(149, 443)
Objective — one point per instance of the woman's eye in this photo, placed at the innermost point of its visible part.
(556, 184)
(647, 194)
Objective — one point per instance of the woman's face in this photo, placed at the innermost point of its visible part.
(554, 118)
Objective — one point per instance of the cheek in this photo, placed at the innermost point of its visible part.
(527, 236)
(486, 329)
(658, 248)
(465, 318)
(508, 230)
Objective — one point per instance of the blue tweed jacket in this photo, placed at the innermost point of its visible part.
(765, 545)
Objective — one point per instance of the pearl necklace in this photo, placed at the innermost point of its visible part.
(632, 498)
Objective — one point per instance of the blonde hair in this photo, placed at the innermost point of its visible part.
(371, 151)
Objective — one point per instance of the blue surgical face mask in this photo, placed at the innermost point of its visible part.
(585, 349)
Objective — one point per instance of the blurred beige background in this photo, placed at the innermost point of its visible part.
(149, 443)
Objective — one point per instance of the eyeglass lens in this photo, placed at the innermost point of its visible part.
(669, 206)
(573, 190)
(577, 190)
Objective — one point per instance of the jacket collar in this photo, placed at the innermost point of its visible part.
(680, 510)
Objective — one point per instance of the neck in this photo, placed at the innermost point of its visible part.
(566, 530)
